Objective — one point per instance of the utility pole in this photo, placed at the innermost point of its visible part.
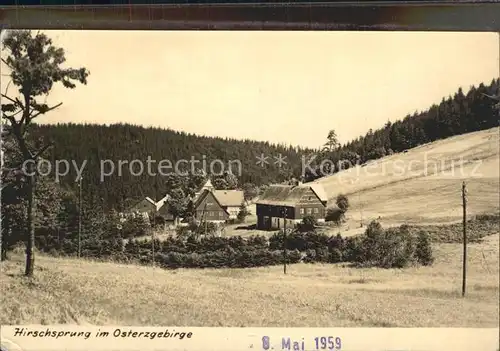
(464, 267)
(284, 240)
(153, 237)
(360, 209)
(1, 168)
(79, 215)
(2, 186)
(154, 225)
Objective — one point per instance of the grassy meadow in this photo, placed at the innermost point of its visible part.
(310, 295)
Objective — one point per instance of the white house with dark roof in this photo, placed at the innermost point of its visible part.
(230, 200)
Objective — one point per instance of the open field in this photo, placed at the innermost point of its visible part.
(423, 185)
(72, 291)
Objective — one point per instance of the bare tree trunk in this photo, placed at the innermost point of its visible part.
(5, 236)
(2, 248)
(30, 243)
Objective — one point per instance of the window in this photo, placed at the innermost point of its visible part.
(221, 214)
(211, 213)
(316, 210)
(301, 211)
(209, 203)
(309, 210)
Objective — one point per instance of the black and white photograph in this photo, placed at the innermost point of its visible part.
(250, 178)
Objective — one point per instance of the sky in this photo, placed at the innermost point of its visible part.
(283, 87)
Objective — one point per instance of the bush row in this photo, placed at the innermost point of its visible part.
(391, 248)
(224, 259)
(394, 247)
(198, 245)
(477, 228)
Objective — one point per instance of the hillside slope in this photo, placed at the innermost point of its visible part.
(424, 183)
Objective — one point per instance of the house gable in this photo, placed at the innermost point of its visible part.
(145, 205)
(310, 197)
(208, 207)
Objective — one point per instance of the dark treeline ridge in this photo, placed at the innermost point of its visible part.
(456, 114)
(94, 143)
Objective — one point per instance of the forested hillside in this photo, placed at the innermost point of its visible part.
(456, 114)
(129, 142)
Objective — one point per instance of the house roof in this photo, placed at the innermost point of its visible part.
(203, 195)
(232, 198)
(288, 195)
(208, 184)
(319, 191)
(139, 204)
(162, 202)
(158, 205)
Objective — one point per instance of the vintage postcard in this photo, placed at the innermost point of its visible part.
(158, 182)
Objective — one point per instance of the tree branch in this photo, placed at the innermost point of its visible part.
(15, 102)
(4, 61)
(43, 112)
(42, 150)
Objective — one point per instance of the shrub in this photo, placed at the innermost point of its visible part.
(322, 254)
(308, 224)
(392, 248)
(424, 249)
(135, 227)
(396, 248)
(243, 212)
(354, 251)
(183, 231)
(335, 256)
(310, 256)
(342, 203)
(158, 221)
(257, 241)
(207, 228)
(371, 243)
(336, 243)
(334, 215)
(299, 241)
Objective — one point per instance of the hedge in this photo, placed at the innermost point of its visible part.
(379, 247)
(202, 245)
(226, 259)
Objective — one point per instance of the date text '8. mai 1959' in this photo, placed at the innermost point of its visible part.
(317, 343)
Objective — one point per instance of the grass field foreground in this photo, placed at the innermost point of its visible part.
(83, 292)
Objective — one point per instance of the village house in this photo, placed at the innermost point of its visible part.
(289, 203)
(209, 205)
(207, 208)
(230, 201)
(149, 209)
(217, 205)
(144, 208)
